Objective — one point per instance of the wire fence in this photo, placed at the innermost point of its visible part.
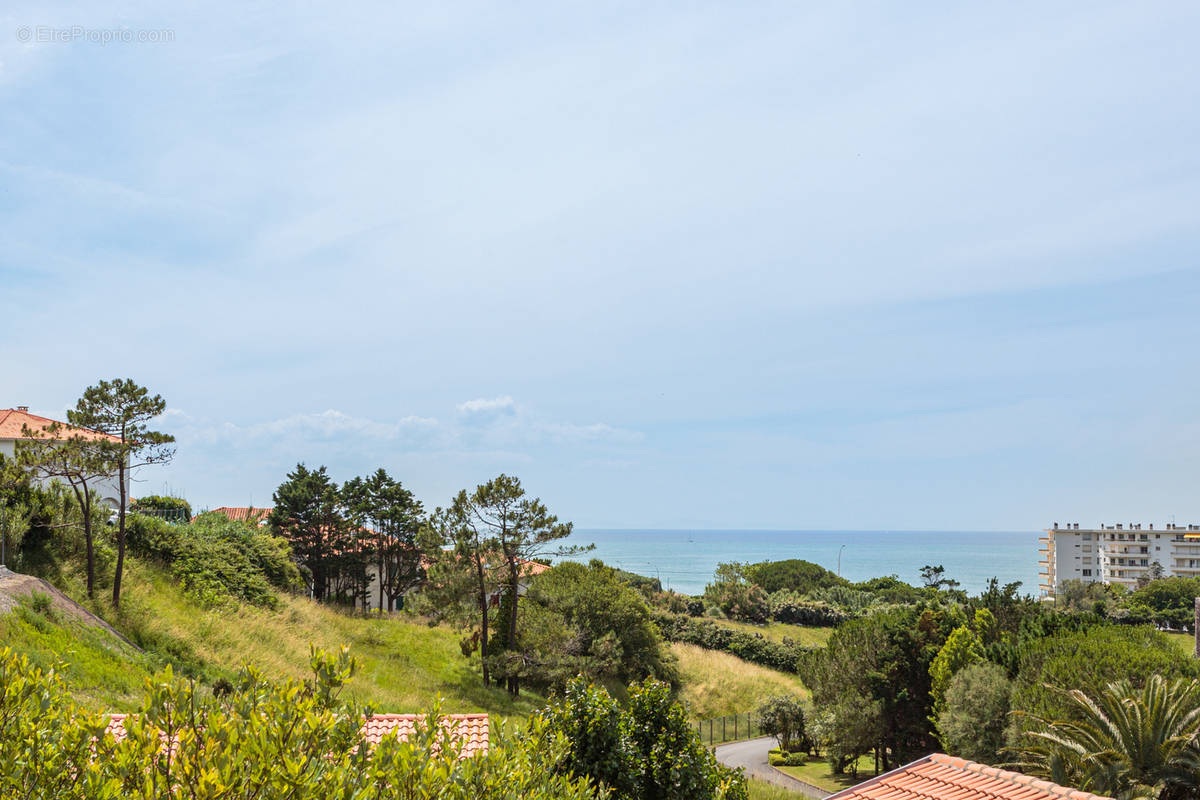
(729, 728)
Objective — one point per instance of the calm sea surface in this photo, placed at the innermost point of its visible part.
(684, 560)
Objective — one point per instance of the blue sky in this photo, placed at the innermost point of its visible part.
(675, 265)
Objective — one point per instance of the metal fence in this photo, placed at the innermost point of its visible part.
(729, 728)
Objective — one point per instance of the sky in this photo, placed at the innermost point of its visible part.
(682, 265)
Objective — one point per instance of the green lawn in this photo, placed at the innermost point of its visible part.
(816, 772)
(1185, 641)
(778, 631)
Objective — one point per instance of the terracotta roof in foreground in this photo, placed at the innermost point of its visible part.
(12, 420)
(470, 731)
(943, 777)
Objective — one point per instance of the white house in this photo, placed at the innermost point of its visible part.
(13, 420)
(1119, 553)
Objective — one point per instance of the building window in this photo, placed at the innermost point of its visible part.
(1087, 573)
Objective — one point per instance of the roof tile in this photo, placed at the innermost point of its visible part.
(942, 777)
(470, 731)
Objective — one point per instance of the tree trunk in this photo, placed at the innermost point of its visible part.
(84, 502)
(483, 622)
(116, 596)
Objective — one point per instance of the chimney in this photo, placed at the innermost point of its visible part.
(23, 408)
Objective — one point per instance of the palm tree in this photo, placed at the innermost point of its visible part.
(1127, 743)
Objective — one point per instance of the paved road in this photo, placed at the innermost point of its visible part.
(752, 755)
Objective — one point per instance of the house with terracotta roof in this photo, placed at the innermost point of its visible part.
(469, 731)
(14, 420)
(255, 516)
(942, 777)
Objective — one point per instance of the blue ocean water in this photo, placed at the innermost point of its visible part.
(684, 560)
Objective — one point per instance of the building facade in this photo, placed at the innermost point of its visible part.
(1116, 553)
(14, 420)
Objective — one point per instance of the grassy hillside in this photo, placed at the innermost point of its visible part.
(103, 672)
(406, 664)
(716, 683)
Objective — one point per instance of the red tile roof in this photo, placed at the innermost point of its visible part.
(470, 731)
(943, 777)
(243, 513)
(12, 420)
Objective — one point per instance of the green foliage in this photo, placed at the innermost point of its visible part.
(890, 589)
(793, 574)
(752, 647)
(173, 508)
(962, 648)
(578, 619)
(1086, 660)
(264, 740)
(217, 559)
(787, 606)
(308, 513)
(783, 717)
(649, 751)
(1167, 601)
(975, 712)
(1122, 741)
(872, 682)
(736, 595)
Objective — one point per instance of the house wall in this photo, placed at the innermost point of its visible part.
(107, 488)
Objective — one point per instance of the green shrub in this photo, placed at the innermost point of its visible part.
(1089, 660)
(650, 751)
(794, 574)
(776, 759)
(216, 559)
(752, 647)
(264, 740)
(971, 722)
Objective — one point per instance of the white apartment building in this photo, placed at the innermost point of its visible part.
(1116, 553)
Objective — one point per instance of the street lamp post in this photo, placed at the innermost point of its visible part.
(840, 549)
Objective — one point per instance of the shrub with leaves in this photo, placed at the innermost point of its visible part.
(649, 751)
(216, 558)
(261, 739)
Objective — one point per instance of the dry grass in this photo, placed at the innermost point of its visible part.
(716, 683)
(405, 664)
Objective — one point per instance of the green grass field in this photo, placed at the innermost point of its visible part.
(816, 772)
(778, 631)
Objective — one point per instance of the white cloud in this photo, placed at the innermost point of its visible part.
(502, 404)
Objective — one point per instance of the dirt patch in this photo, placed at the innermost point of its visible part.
(16, 588)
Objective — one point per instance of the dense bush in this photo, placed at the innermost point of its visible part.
(975, 712)
(649, 751)
(753, 647)
(155, 502)
(215, 558)
(794, 574)
(1167, 601)
(262, 740)
(787, 606)
(585, 619)
(1090, 659)
(736, 595)
(890, 589)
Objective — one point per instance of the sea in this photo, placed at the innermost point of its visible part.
(684, 560)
